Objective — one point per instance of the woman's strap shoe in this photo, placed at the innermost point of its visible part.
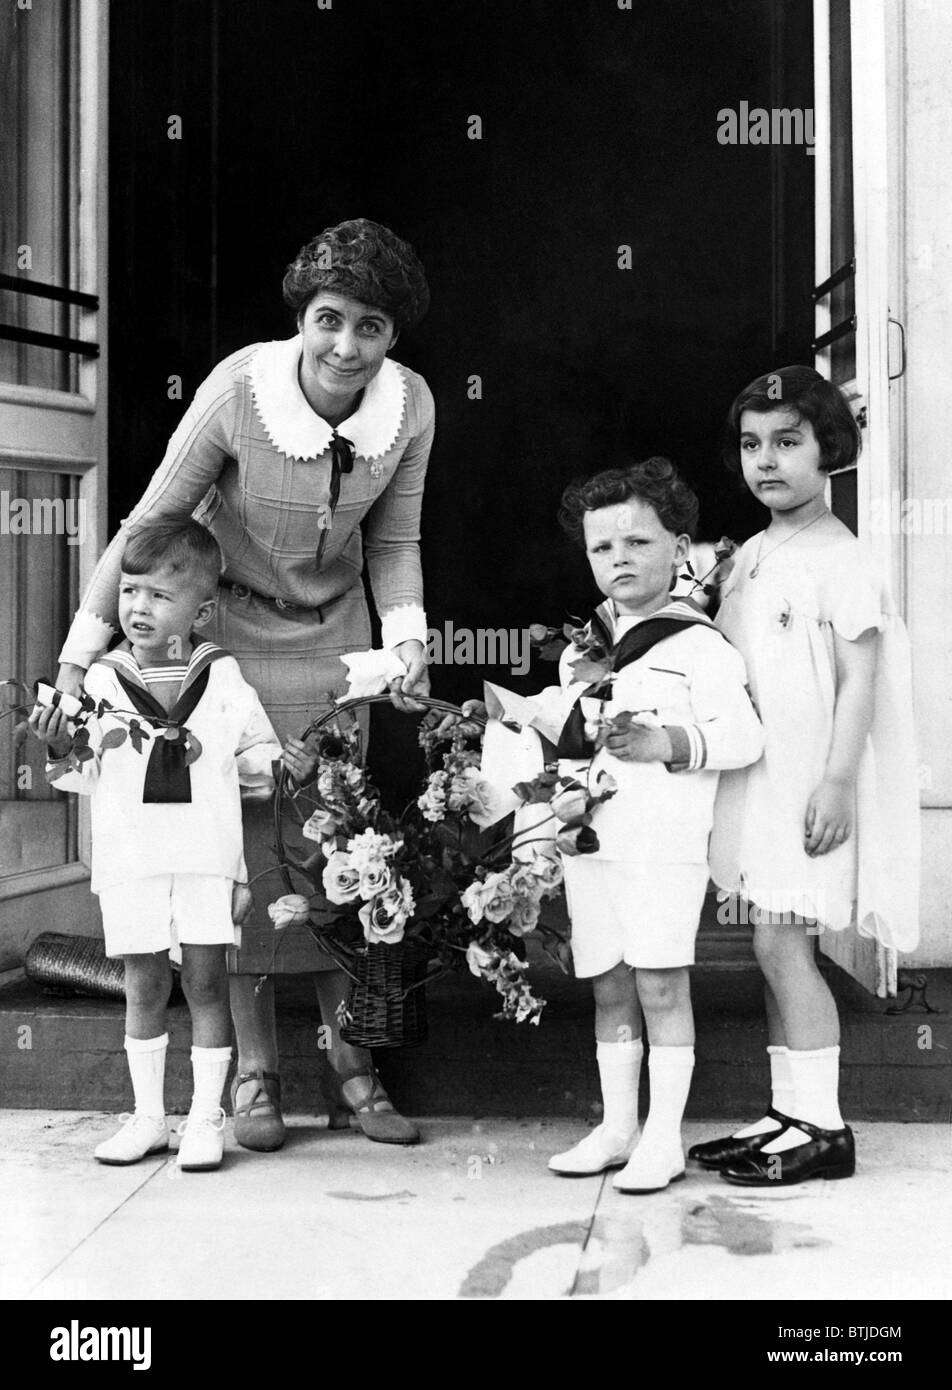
(376, 1115)
(828, 1153)
(717, 1153)
(259, 1124)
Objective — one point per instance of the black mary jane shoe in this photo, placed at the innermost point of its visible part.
(717, 1153)
(829, 1153)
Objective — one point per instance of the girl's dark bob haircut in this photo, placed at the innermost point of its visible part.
(655, 481)
(811, 397)
(361, 260)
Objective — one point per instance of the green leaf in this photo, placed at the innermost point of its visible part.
(83, 754)
(115, 738)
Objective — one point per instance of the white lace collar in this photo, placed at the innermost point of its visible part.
(297, 431)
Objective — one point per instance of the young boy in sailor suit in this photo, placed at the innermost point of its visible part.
(673, 713)
(167, 860)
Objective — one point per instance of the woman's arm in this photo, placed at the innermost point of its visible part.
(829, 816)
(392, 544)
(392, 549)
(194, 459)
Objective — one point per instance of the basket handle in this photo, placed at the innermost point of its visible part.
(344, 706)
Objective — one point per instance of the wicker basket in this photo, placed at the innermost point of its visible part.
(387, 1003)
(74, 965)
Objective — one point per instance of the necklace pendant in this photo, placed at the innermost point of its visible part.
(754, 572)
(376, 468)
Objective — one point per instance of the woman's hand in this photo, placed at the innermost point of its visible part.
(451, 722)
(299, 760)
(70, 679)
(52, 726)
(415, 682)
(829, 819)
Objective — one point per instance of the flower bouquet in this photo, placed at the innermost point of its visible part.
(449, 883)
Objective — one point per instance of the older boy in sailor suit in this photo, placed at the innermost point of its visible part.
(167, 857)
(670, 713)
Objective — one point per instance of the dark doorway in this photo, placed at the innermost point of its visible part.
(598, 132)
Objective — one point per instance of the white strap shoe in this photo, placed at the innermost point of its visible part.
(650, 1169)
(596, 1152)
(140, 1136)
(202, 1141)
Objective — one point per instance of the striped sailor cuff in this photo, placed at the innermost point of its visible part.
(688, 748)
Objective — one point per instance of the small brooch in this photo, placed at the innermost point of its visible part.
(785, 617)
(376, 468)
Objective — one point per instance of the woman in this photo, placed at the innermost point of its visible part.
(284, 451)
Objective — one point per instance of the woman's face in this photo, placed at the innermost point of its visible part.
(344, 344)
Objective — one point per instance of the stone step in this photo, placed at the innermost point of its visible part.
(66, 1053)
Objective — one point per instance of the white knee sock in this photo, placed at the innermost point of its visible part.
(146, 1058)
(816, 1078)
(816, 1082)
(209, 1070)
(781, 1093)
(619, 1071)
(669, 1071)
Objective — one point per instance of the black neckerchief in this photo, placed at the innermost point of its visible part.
(674, 617)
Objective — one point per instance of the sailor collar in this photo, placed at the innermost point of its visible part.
(203, 654)
(299, 432)
(685, 609)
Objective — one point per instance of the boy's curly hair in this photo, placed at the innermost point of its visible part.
(655, 481)
(364, 261)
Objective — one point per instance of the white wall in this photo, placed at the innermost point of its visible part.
(921, 197)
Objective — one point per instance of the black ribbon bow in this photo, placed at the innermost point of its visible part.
(343, 454)
(167, 776)
(342, 459)
(573, 742)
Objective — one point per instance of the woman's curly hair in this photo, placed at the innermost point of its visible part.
(364, 261)
(655, 481)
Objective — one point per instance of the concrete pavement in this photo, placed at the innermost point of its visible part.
(470, 1213)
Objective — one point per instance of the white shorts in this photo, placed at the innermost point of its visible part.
(165, 911)
(647, 917)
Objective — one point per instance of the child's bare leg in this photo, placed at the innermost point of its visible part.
(805, 1007)
(659, 1158)
(148, 983)
(666, 999)
(618, 1049)
(775, 1034)
(205, 985)
(617, 1015)
(807, 1016)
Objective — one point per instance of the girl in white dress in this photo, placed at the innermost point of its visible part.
(821, 833)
